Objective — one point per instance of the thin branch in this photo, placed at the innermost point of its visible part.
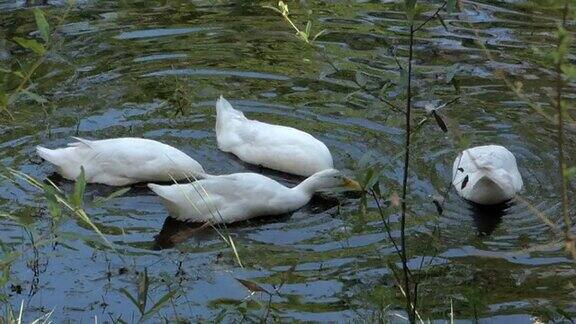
(409, 305)
(560, 129)
(431, 17)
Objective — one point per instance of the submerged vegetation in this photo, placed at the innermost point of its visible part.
(393, 89)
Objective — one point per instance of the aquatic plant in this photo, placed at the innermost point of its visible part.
(39, 47)
(560, 115)
(141, 298)
(369, 175)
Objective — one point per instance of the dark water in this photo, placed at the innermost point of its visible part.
(154, 69)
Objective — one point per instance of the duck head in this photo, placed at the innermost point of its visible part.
(328, 179)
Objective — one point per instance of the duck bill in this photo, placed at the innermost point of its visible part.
(352, 184)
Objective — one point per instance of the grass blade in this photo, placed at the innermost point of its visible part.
(42, 24)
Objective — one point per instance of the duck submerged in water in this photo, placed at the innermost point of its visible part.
(276, 147)
(486, 175)
(122, 161)
(241, 196)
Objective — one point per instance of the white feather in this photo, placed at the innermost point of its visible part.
(122, 161)
(276, 147)
(487, 175)
(240, 196)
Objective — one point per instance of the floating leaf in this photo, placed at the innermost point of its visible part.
(42, 24)
(30, 44)
(252, 286)
(464, 182)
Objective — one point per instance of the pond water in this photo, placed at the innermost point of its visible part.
(154, 69)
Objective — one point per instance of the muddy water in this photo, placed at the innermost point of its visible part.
(154, 69)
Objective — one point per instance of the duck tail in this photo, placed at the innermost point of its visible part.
(225, 112)
(158, 189)
(47, 154)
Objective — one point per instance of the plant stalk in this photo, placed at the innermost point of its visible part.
(560, 130)
(409, 306)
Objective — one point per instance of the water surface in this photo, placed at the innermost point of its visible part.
(154, 69)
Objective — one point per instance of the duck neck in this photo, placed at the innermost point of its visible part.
(308, 186)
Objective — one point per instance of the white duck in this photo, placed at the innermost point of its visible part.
(272, 146)
(486, 175)
(122, 161)
(240, 196)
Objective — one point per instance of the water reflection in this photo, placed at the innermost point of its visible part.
(130, 58)
(487, 218)
(174, 232)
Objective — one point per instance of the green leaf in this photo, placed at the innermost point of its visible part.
(18, 74)
(3, 100)
(439, 121)
(143, 286)
(320, 33)
(53, 205)
(77, 197)
(308, 28)
(442, 22)
(115, 194)
(451, 7)
(132, 299)
(275, 9)
(569, 71)
(42, 24)
(283, 8)
(302, 35)
(570, 173)
(252, 286)
(165, 299)
(409, 9)
(36, 97)
(30, 44)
